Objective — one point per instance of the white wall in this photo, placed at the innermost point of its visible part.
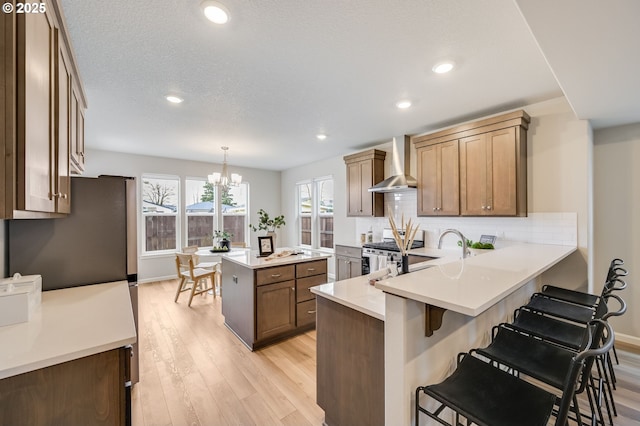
(264, 192)
(616, 217)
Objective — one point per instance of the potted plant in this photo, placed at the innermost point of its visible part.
(477, 248)
(266, 223)
(223, 238)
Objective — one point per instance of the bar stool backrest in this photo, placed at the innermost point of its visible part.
(581, 364)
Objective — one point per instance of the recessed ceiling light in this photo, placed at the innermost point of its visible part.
(321, 136)
(174, 99)
(215, 12)
(403, 104)
(443, 67)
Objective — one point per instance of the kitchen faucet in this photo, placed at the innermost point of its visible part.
(463, 240)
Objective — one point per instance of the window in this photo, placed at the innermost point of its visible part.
(304, 212)
(233, 203)
(325, 212)
(315, 213)
(160, 212)
(200, 209)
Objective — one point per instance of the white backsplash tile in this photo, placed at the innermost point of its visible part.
(559, 228)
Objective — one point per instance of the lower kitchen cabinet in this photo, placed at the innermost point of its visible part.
(275, 309)
(267, 304)
(350, 366)
(348, 262)
(86, 391)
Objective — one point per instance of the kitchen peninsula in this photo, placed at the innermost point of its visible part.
(266, 300)
(414, 326)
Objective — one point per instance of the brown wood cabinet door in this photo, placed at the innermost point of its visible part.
(275, 309)
(85, 391)
(439, 180)
(354, 194)
(63, 133)
(366, 181)
(449, 179)
(428, 181)
(473, 175)
(501, 172)
(35, 112)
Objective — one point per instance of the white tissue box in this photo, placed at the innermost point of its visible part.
(19, 298)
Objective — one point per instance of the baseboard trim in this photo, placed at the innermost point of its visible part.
(629, 343)
(156, 279)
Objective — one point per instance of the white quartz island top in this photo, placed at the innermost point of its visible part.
(249, 258)
(71, 323)
(468, 286)
(472, 285)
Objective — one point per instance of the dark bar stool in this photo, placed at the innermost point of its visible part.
(547, 362)
(570, 335)
(614, 272)
(488, 396)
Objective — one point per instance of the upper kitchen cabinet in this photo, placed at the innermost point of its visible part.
(438, 178)
(364, 170)
(39, 75)
(493, 168)
(474, 169)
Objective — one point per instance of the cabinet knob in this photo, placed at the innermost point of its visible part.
(60, 195)
(484, 207)
(311, 312)
(488, 207)
(276, 275)
(293, 289)
(311, 269)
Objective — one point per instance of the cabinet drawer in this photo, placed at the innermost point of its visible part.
(275, 274)
(304, 284)
(349, 251)
(306, 313)
(308, 269)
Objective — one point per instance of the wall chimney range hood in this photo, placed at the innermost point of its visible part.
(402, 180)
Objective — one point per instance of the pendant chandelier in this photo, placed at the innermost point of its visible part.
(223, 178)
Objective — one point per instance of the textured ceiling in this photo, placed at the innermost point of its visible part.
(282, 71)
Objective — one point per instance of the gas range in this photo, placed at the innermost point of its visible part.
(388, 247)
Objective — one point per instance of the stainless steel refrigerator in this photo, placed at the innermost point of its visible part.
(96, 243)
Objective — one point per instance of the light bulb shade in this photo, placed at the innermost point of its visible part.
(236, 179)
(214, 178)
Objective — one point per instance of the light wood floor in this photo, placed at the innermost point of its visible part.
(194, 371)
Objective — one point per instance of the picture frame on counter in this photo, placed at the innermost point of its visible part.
(265, 246)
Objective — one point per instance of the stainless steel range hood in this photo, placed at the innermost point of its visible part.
(402, 180)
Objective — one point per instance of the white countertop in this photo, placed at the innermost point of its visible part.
(249, 258)
(468, 286)
(356, 293)
(473, 285)
(71, 323)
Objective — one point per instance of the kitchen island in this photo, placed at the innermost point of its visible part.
(69, 362)
(427, 316)
(267, 300)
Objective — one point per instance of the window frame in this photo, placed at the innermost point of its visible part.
(315, 214)
(176, 214)
(185, 220)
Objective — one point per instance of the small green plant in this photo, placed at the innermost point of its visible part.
(222, 235)
(477, 245)
(266, 223)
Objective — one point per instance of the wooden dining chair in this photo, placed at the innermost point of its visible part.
(197, 277)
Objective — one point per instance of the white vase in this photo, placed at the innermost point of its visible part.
(273, 236)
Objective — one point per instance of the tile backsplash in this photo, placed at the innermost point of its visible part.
(543, 228)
